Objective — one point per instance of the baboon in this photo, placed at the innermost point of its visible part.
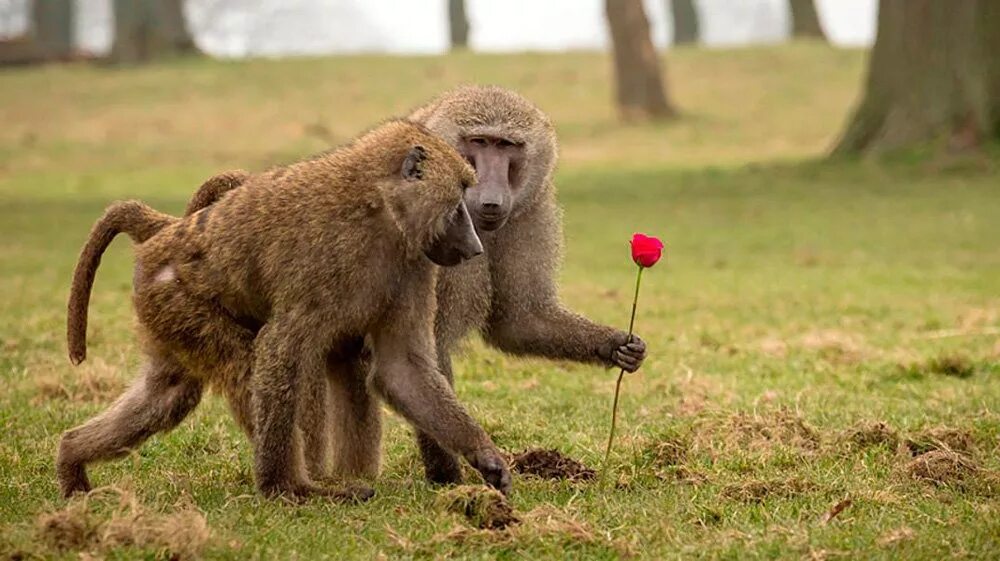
(510, 297)
(253, 293)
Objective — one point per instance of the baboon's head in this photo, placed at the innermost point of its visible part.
(425, 195)
(507, 139)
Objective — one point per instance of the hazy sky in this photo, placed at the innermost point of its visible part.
(236, 28)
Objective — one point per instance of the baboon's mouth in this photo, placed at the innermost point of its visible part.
(490, 222)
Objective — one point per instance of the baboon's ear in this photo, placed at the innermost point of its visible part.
(411, 165)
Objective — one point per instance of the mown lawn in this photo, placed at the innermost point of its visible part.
(819, 332)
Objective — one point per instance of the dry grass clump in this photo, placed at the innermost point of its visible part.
(93, 381)
(869, 434)
(941, 438)
(943, 467)
(950, 364)
(836, 346)
(484, 507)
(760, 434)
(758, 490)
(551, 464)
(86, 526)
(544, 523)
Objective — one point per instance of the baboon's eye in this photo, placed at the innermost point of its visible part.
(504, 143)
(479, 141)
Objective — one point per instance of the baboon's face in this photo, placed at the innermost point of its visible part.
(499, 165)
(437, 179)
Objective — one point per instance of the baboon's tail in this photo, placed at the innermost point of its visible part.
(137, 220)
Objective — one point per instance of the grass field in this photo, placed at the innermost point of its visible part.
(822, 334)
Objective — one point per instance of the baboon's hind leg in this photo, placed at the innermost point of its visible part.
(355, 423)
(158, 401)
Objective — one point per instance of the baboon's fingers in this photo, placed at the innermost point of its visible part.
(628, 362)
(493, 468)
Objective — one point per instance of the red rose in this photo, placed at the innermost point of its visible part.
(646, 250)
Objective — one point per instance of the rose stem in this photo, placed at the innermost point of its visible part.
(618, 385)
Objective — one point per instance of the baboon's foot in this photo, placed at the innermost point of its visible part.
(72, 479)
(300, 492)
(442, 469)
(493, 468)
(350, 494)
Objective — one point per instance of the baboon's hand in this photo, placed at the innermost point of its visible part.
(624, 353)
(493, 468)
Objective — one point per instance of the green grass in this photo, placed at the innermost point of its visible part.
(800, 301)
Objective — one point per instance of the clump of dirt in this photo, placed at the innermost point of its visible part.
(484, 507)
(941, 438)
(942, 467)
(551, 464)
(84, 525)
(870, 434)
(954, 365)
(757, 491)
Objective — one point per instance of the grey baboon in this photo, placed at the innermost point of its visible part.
(254, 293)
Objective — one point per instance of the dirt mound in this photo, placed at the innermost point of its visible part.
(551, 464)
(483, 507)
(758, 490)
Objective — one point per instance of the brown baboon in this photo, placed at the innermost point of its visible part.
(140, 222)
(510, 297)
(253, 294)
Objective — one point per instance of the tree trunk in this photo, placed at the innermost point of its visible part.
(805, 20)
(638, 83)
(458, 24)
(52, 21)
(145, 29)
(933, 75)
(685, 21)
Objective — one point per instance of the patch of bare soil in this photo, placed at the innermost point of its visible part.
(484, 507)
(551, 464)
(758, 490)
(86, 526)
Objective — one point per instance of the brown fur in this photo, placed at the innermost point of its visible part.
(510, 297)
(315, 256)
(140, 222)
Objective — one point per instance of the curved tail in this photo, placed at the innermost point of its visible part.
(137, 220)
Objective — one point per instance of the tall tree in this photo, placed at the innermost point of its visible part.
(638, 81)
(145, 29)
(52, 23)
(458, 23)
(685, 15)
(805, 20)
(933, 74)
(49, 38)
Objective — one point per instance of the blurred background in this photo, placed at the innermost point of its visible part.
(824, 172)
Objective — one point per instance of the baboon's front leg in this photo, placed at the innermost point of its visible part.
(158, 401)
(410, 383)
(440, 465)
